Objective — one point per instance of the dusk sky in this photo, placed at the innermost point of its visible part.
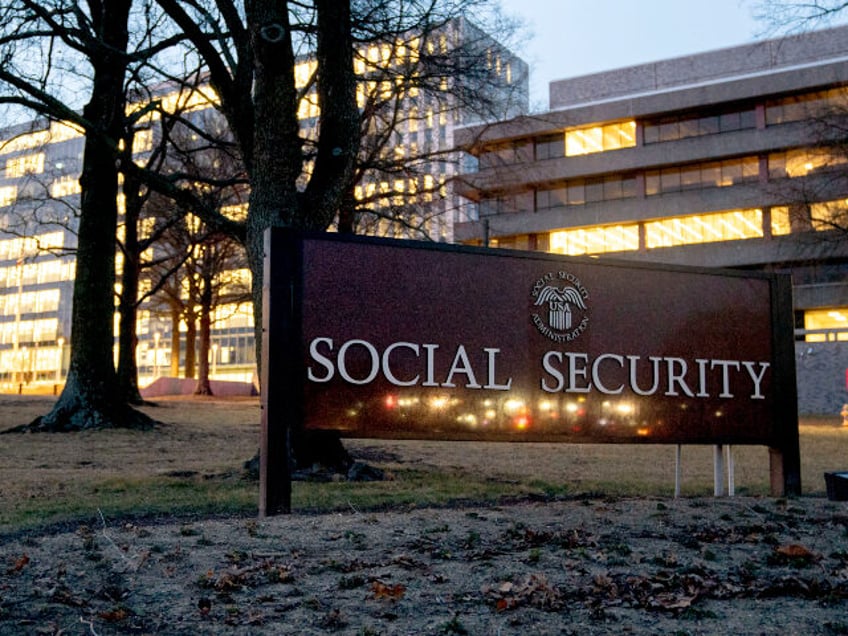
(567, 38)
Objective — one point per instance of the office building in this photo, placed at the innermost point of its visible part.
(730, 158)
(39, 197)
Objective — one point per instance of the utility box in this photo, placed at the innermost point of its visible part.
(837, 486)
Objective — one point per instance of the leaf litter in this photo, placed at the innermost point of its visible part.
(605, 566)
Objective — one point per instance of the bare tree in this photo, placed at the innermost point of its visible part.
(251, 56)
(98, 37)
(788, 16)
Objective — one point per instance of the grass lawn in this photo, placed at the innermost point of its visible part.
(193, 465)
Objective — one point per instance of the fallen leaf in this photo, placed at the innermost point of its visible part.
(673, 601)
(20, 564)
(114, 616)
(381, 590)
(795, 551)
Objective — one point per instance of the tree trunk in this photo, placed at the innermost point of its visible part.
(90, 398)
(128, 300)
(175, 341)
(191, 343)
(203, 386)
(277, 160)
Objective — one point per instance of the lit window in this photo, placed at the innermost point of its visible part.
(830, 215)
(142, 141)
(24, 165)
(236, 212)
(65, 187)
(27, 141)
(798, 163)
(704, 228)
(590, 139)
(780, 222)
(595, 240)
(63, 131)
(826, 324)
(8, 194)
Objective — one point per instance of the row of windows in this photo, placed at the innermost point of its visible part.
(42, 330)
(711, 174)
(590, 139)
(731, 225)
(29, 302)
(57, 132)
(702, 175)
(798, 163)
(835, 320)
(400, 191)
(819, 217)
(603, 137)
(570, 143)
(23, 165)
(47, 271)
(807, 106)
(28, 246)
(30, 360)
(672, 129)
(580, 191)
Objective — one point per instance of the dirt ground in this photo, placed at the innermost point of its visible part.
(591, 566)
(583, 564)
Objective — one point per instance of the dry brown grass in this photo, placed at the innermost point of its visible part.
(192, 463)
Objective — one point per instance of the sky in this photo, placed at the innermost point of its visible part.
(569, 38)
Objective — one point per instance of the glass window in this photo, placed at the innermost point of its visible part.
(711, 174)
(690, 177)
(651, 133)
(595, 240)
(552, 198)
(669, 131)
(583, 141)
(829, 215)
(652, 182)
(832, 324)
(709, 125)
(590, 139)
(613, 188)
(670, 180)
(24, 165)
(729, 122)
(689, 128)
(576, 193)
(704, 228)
(777, 165)
(8, 194)
(748, 119)
(594, 190)
(628, 187)
(731, 172)
(750, 168)
(550, 147)
(780, 224)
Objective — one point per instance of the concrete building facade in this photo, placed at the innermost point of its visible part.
(40, 164)
(730, 158)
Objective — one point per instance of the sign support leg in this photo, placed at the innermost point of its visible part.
(718, 470)
(678, 467)
(731, 472)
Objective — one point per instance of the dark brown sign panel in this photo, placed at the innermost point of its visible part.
(415, 340)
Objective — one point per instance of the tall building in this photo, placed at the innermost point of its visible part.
(730, 158)
(405, 189)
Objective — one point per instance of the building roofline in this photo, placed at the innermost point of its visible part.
(757, 58)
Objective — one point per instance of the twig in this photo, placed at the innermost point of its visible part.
(90, 626)
(109, 539)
